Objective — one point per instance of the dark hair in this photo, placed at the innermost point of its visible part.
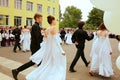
(17, 25)
(81, 24)
(102, 27)
(25, 26)
(68, 31)
(50, 19)
(37, 15)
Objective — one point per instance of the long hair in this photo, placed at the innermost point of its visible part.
(102, 27)
(50, 19)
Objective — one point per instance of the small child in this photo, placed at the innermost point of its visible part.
(7, 38)
(11, 37)
(0, 39)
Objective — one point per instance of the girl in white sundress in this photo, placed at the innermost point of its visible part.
(26, 39)
(53, 66)
(101, 53)
(68, 37)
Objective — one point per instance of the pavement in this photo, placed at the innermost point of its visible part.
(10, 60)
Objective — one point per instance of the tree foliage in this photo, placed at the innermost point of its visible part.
(95, 17)
(71, 17)
(60, 14)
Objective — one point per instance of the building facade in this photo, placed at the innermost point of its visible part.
(21, 12)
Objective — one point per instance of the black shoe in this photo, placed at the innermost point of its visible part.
(72, 70)
(14, 51)
(24, 51)
(15, 73)
(87, 64)
(20, 49)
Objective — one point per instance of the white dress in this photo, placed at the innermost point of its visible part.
(7, 36)
(101, 58)
(58, 38)
(0, 37)
(25, 37)
(11, 35)
(68, 37)
(53, 66)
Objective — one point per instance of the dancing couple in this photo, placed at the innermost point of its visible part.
(100, 53)
(50, 57)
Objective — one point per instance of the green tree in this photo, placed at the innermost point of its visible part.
(60, 14)
(71, 17)
(95, 18)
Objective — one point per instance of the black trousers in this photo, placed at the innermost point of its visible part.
(3, 42)
(63, 37)
(80, 52)
(28, 64)
(17, 44)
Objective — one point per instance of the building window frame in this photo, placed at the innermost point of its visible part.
(39, 8)
(4, 20)
(54, 11)
(4, 3)
(29, 6)
(48, 9)
(18, 20)
(18, 4)
(54, 1)
(29, 21)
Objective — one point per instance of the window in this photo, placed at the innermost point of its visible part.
(18, 4)
(39, 8)
(29, 21)
(4, 3)
(4, 20)
(17, 20)
(54, 12)
(54, 0)
(29, 6)
(48, 9)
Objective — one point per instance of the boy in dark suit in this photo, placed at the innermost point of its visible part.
(36, 39)
(78, 38)
(17, 33)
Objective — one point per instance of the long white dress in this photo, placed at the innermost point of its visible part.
(101, 58)
(25, 37)
(53, 66)
(68, 37)
(58, 38)
(0, 37)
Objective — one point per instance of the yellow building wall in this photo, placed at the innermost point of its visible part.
(11, 11)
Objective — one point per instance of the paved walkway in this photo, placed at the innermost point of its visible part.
(10, 60)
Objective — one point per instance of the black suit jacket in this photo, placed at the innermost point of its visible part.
(80, 36)
(36, 37)
(63, 33)
(17, 33)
